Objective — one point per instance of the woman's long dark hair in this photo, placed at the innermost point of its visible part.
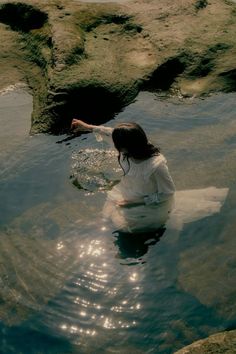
(131, 138)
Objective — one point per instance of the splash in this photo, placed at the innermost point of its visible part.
(94, 169)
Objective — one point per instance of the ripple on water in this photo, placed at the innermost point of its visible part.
(65, 275)
(96, 294)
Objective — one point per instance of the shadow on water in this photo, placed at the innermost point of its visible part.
(135, 246)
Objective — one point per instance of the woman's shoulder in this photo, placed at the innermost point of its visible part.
(156, 160)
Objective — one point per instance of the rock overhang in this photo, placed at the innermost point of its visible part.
(91, 60)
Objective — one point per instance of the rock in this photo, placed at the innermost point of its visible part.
(224, 342)
(207, 271)
(36, 259)
(90, 60)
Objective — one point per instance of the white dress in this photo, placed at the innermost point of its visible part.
(146, 180)
(150, 179)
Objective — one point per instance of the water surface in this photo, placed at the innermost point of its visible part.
(71, 285)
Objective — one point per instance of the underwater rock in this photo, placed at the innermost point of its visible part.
(89, 60)
(207, 271)
(36, 259)
(224, 342)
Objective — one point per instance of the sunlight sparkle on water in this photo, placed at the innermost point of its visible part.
(108, 323)
(112, 291)
(81, 302)
(93, 249)
(100, 277)
(85, 303)
(60, 246)
(117, 308)
(134, 277)
(75, 330)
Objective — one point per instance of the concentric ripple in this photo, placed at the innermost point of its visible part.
(69, 278)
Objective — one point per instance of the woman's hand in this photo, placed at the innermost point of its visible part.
(78, 125)
(130, 203)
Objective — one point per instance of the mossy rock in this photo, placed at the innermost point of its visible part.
(220, 343)
(90, 60)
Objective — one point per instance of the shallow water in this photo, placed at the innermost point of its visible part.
(70, 285)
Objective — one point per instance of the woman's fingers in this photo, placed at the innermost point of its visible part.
(130, 203)
(73, 123)
(122, 202)
(77, 124)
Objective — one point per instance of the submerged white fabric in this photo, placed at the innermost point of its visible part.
(194, 204)
(151, 180)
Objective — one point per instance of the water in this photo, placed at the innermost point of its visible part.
(70, 285)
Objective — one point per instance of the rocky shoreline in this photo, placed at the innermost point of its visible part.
(90, 60)
(219, 343)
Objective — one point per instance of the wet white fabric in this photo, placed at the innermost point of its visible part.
(150, 179)
(194, 204)
(147, 180)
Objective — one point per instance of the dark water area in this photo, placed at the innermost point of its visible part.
(69, 283)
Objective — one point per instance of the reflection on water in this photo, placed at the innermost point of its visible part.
(69, 284)
(133, 246)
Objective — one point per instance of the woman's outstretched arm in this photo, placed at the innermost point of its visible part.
(78, 125)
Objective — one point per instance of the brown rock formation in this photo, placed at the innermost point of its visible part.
(217, 343)
(90, 60)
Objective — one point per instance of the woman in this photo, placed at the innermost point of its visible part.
(144, 197)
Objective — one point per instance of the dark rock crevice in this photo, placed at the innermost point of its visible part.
(125, 22)
(32, 25)
(93, 103)
(229, 78)
(22, 17)
(165, 75)
(88, 22)
(205, 63)
(201, 4)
